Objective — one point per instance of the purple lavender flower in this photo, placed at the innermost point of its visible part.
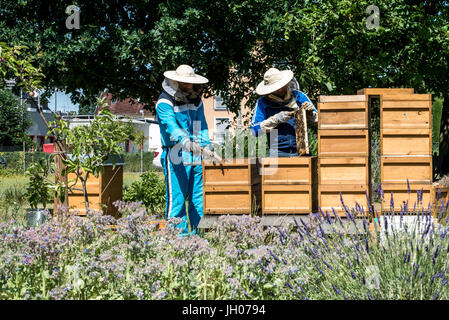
(408, 187)
(336, 289)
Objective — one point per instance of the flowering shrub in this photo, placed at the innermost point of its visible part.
(82, 258)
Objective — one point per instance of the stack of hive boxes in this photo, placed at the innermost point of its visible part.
(343, 152)
(406, 149)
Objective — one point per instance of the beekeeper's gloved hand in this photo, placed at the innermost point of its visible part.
(273, 121)
(191, 146)
(307, 106)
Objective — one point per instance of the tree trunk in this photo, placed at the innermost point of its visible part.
(443, 159)
(86, 198)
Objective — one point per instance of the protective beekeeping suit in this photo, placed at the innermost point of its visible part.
(183, 127)
(276, 108)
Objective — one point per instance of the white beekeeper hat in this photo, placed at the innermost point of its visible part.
(185, 73)
(273, 80)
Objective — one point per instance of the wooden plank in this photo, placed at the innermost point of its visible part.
(343, 114)
(329, 197)
(342, 98)
(398, 169)
(291, 170)
(438, 200)
(287, 199)
(343, 143)
(401, 142)
(338, 170)
(382, 91)
(406, 111)
(402, 196)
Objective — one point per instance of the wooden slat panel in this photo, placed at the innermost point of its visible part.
(398, 142)
(227, 202)
(343, 170)
(399, 169)
(293, 170)
(287, 199)
(406, 111)
(343, 143)
(111, 189)
(382, 91)
(342, 98)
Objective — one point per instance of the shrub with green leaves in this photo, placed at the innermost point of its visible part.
(150, 190)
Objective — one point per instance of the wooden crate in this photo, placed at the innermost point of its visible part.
(402, 111)
(401, 195)
(289, 185)
(339, 170)
(232, 187)
(401, 142)
(102, 192)
(343, 143)
(329, 197)
(382, 91)
(416, 169)
(343, 112)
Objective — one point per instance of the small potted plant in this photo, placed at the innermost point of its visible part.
(39, 191)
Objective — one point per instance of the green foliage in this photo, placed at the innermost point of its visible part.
(150, 189)
(14, 119)
(16, 62)
(39, 188)
(437, 108)
(132, 162)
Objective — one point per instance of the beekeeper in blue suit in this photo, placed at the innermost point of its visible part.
(276, 108)
(183, 127)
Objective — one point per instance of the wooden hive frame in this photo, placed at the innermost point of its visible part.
(405, 142)
(347, 170)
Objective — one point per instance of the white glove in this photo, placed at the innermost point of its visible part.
(192, 146)
(273, 121)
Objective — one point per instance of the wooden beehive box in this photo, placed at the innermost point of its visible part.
(344, 170)
(329, 197)
(402, 111)
(400, 142)
(232, 187)
(289, 185)
(102, 191)
(402, 195)
(343, 143)
(416, 169)
(343, 112)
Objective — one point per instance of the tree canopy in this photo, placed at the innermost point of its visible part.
(125, 46)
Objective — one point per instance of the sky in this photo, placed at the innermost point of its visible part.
(64, 103)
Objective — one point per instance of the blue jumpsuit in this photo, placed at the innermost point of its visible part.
(178, 122)
(285, 145)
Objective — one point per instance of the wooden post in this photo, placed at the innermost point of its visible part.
(59, 166)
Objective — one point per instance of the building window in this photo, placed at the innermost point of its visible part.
(221, 127)
(218, 103)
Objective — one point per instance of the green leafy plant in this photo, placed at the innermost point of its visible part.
(91, 145)
(150, 189)
(39, 188)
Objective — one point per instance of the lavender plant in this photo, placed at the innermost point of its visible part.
(81, 258)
